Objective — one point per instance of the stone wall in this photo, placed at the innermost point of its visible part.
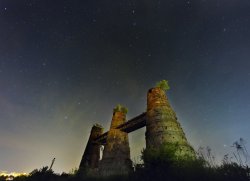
(91, 156)
(116, 154)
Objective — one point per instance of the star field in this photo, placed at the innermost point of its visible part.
(65, 64)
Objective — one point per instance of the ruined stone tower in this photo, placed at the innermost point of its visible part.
(116, 154)
(162, 127)
(91, 156)
(163, 132)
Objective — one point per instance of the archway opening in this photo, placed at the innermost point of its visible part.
(137, 143)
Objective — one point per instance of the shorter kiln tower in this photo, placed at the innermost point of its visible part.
(91, 156)
(116, 154)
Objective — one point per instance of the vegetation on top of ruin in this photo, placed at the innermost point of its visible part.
(120, 108)
(98, 125)
(163, 85)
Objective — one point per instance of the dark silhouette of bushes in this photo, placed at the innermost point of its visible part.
(189, 170)
(193, 170)
(163, 165)
(3, 178)
(40, 175)
(233, 171)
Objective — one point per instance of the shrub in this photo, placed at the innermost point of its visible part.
(120, 108)
(163, 85)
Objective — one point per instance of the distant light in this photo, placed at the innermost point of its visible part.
(12, 174)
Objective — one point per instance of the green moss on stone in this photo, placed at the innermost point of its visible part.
(167, 153)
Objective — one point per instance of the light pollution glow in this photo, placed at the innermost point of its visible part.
(12, 174)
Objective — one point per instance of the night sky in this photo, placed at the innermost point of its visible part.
(65, 64)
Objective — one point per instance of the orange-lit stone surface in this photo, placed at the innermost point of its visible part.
(116, 154)
(162, 126)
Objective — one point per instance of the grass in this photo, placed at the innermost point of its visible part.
(159, 168)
